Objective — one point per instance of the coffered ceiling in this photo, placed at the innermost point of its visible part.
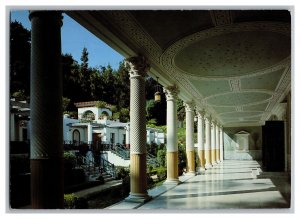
(234, 64)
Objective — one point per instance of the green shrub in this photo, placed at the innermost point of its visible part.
(69, 160)
(101, 104)
(71, 201)
(161, 157)
(121, 172)
(161, 173)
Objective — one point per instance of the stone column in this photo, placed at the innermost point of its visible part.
(201, 142)
(217, 143)
(172, 138)
(221, 144)
(190, 151)
(46, 111)
(138, 68)
(213, 143)
(207, 143)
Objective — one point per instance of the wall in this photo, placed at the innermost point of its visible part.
(255, 143)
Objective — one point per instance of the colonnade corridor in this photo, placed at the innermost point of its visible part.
(232, 184)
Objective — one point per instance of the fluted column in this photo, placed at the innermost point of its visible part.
(221, 144)
(46, 152)
(207, 143)
(138, 68)
(213, 143)
(190, 150)
(200, 135)
(172, 138)
(217, 143)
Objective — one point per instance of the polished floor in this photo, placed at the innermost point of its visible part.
(228, 185)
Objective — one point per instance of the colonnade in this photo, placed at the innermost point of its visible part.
(46, 108)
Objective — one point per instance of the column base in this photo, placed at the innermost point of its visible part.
(172, 182)
(138, 198)
(208, 165)
(214, 163)
(191, 173)
(201, 170)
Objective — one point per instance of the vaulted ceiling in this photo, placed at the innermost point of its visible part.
(234, 64)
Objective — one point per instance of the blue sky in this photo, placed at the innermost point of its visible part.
(74, 38)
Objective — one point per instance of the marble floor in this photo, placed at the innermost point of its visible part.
(228, 185)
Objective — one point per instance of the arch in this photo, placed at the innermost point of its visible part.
(104, 113)
(76, 136)
(88, 115)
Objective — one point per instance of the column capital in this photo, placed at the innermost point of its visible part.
(137, 65)
(208, 119)
(189, 106)
(46, 15)
(171, 92)
(201, 114)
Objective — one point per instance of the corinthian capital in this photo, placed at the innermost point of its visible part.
(171, 92)
(200, 113)
(138, 65)
(189, 106)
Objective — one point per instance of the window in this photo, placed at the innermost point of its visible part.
(112, 138)
(76, 137)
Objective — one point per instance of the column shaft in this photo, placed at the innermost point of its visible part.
(217, 143)
(138, 167)
(201, 142)
(213, 144)
(221, 144)
(190, 151)
(207, 143)
(172, 138)
(46, 111)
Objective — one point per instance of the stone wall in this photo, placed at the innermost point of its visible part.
(255, 143)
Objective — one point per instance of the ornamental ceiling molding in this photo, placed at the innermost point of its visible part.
(235, 85)
(167, 58)
(281, 90)
(221, 17)
(280, 65)
(243, 91)
(259, 113)
(126, 23)
(246, 123)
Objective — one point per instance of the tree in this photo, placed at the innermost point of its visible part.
(20, 43)
(85, 72)
(65, 102)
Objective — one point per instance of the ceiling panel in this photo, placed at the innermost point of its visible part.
(208, 88)
(257, 107)
(238, 99)
(237, 115)
(221, 109)
(167, 26)
(265, 81)
(233, 54)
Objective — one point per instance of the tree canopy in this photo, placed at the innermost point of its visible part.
(80, 81)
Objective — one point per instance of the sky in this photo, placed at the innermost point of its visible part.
(75, 38)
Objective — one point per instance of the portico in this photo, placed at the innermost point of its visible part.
(233, 67)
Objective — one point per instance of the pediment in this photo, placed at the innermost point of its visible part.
(242, 133)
